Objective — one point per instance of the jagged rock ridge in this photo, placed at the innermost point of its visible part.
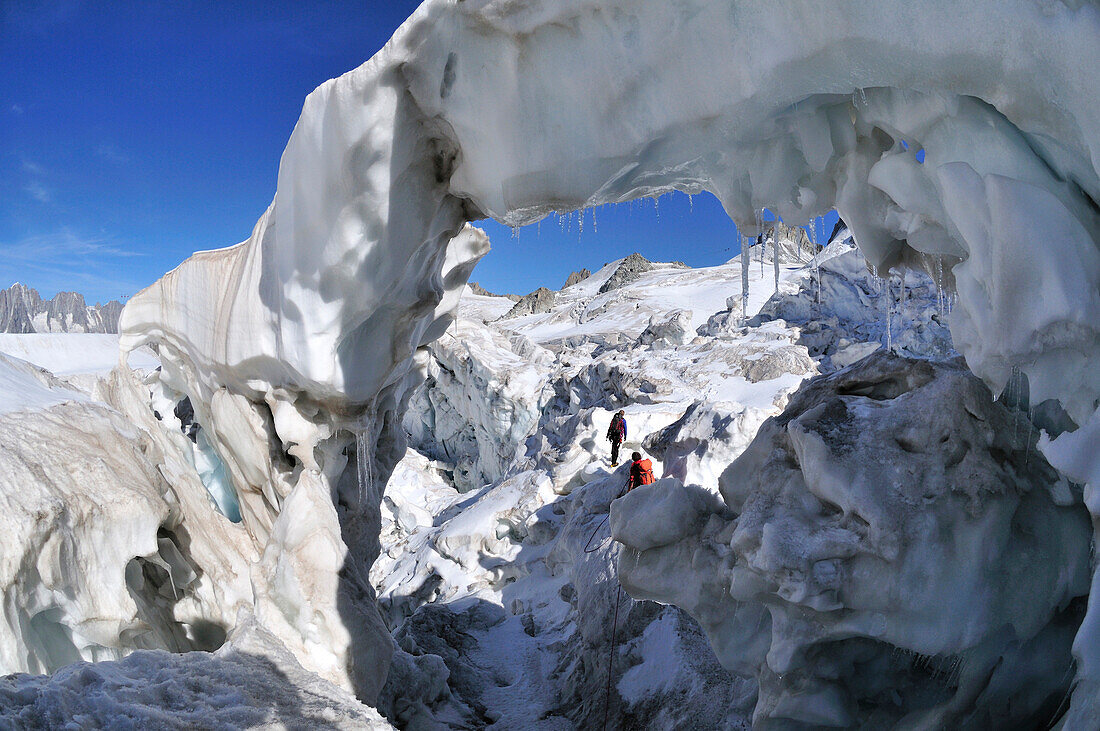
(22, 311)
(479, 290)
(541, 300)
(576, 277)
(630, 269)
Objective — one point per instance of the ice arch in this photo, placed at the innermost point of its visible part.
(295, 341)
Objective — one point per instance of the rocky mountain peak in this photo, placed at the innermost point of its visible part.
(629, 269)
(22, 311)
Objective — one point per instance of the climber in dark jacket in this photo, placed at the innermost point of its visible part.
(641, 472)
(616, 434)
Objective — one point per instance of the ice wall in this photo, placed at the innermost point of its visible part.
(481, 399)
(304, 333)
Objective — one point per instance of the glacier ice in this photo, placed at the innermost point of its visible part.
(298, 347)
(449, 418)
(884, 552)
(518, 574)
(113, 545)
(251, 682)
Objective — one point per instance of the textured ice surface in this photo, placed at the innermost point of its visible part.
(112, 543)
(449, 418)
(500, 614)
(891, 549)
(25, 386)
(252, 682)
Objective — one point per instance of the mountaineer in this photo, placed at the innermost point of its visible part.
(616, 434)
(641, 472)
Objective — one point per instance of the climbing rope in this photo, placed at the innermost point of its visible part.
(611, 657)
(587, 546)
(614, 622)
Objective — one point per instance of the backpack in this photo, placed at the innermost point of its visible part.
(617, 430)
(641, 473)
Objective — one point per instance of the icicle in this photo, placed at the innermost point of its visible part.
(691, 203)
(594, 230)
(745, 263)
(1014, 397)
(939, 286)
(761, 239)
(657, 208)
(889, 314)
(775, 257)
(815, 278)
(515, 232)
(580, 220)
(363, 463)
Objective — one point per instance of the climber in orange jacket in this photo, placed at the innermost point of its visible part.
(641, 472)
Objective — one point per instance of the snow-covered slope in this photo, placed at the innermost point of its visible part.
(23, 386)
(75, 354)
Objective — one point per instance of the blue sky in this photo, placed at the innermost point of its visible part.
(133, 134)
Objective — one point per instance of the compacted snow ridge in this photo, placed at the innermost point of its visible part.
(848, 531)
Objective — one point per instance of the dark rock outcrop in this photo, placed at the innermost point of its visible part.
(576, 277)
(629, 269)
(18, 305)
(541, 300)
(479, 290)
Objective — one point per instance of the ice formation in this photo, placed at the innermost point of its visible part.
(251, 682)
(891, 549)
(297, 347)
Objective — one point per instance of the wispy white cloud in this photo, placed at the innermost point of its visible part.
(30, 166)
(112, 154)
(64, 245)
(17, 109)
(39, 192)
(65, 260)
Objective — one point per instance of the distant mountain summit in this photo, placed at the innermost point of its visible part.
(22, 310)
(576, 277)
